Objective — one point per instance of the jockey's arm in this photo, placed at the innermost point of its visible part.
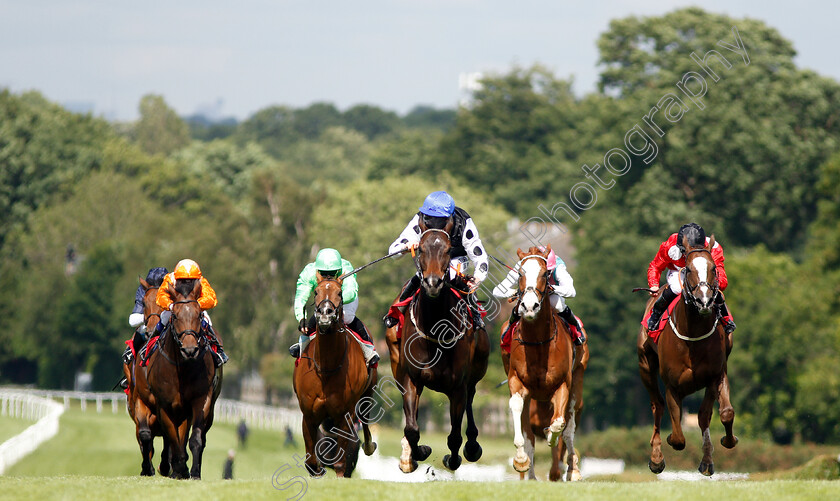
(509, 286)
(349, 286)
(475, 251)
(658, 265)
(163, 299)
(717, 256)
(410, 235)
(565, 284)
(305, 285)
(207, 300)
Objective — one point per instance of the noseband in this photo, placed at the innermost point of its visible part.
(178, 335)
(688, 287)
(540, 293)
(327, 301)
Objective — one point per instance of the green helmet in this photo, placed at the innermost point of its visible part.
(328, 260)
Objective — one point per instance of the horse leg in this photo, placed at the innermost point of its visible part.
(560, 400)
(197, 440)
(364, 417)
(310, 438)
(519, 404)
(457, 402)
(727, 413)
(411, 451)
(177, 452)
(675, 439)
(472, 449)
(704, 417)
(648, 368)
(573, 418)
(165, 467)
(147, 448)
(529, 450)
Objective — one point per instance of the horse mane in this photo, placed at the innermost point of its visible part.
(187, 286)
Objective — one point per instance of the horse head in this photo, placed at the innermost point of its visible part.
(150, 307)
(433, 259)
(186, 317)
(533, 280)
(328, 303)
(700, 285)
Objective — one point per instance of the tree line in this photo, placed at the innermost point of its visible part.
(87, 205)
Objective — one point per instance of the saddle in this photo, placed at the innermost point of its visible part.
(507, 336)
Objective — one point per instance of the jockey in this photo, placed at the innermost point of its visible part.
(562, 286)
(671, 255)
(329, 263)
(187, 269)
(137, 317)
(437, 211)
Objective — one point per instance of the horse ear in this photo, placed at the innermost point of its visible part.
(547, 250)
(196, 291)
(520, 253)
(449, 225)
(143, 282)
(711, 244)
(422, 225)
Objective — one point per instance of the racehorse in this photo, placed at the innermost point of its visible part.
(330, 380)
(140, 401)
(183, 380)
(690, 355)
(441, 349)
(542, 366)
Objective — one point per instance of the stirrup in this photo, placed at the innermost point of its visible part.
(373, 360)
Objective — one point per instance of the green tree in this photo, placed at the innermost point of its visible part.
(371, 120)
(159, 130)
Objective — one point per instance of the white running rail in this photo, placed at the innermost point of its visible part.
(23, 404)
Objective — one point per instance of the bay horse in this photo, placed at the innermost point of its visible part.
(140, 401)
(441, 349)
(184, 380)
(541, 367)
(691, 355)
(330, 380)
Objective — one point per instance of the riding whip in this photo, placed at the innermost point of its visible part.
(362, 267)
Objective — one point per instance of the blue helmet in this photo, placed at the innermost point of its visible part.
(438, 204)
(155, 276)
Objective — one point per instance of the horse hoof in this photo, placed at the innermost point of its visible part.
(150, 473)
(370, 448)
(408, 466)
(574, 476)
(729, 443)
(424, 451)
(452, 462)
(707, 469)
(656, 467)
(472, 452)
(522, 465)
(677, 446)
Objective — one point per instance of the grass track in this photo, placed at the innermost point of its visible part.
(10, 426)
(96, 457)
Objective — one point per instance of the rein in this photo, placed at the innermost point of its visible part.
(170, 328)
(689, 298)
(342, 330)
(422, 334)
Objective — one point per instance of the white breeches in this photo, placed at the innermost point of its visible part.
(675, 279)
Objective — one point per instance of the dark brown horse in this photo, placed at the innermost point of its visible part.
(140, 401)
(540, 366)
(691, 355)
(184, 381)
(440, 349)
(329, 381)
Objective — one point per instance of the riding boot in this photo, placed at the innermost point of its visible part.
(723, 313)
(297, 349)
(514, 317)
(371, 357)
(575, 328)
(409, 289)
(476, 312)
(659, 307)
(219, 354)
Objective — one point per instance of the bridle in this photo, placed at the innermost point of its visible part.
(416, 254)
(179, 335)
(342, 330)
(327, 301)
(690, 298)
(150, 315)
(540, 293)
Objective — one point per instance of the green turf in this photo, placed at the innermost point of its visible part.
(9, 427)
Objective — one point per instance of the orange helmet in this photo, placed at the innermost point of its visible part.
(187, 268)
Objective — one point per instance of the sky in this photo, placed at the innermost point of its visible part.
(223, 58)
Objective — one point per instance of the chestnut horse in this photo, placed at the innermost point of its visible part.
(691, 355)
(140, 401)
(440, 349)
(184, 381)
(540, 367)
(330, 380)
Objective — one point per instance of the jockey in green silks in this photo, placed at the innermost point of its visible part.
(329, 263)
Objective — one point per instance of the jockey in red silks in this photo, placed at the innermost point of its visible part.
(562, 287)
(671, 255)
